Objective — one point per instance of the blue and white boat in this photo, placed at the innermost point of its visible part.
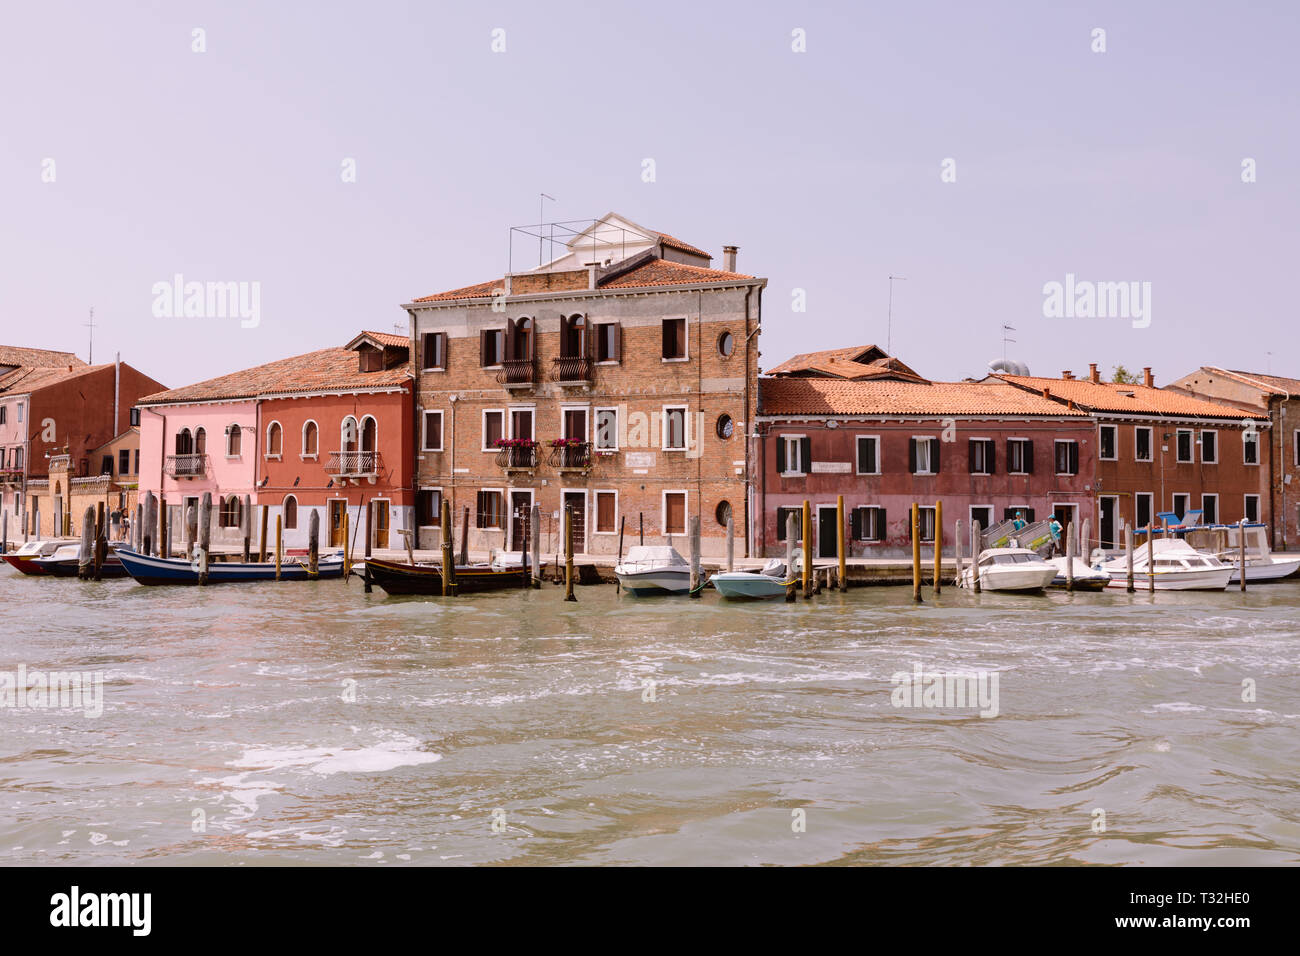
(150, 569)
(770, 582)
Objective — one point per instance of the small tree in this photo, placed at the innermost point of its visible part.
(1123, 376)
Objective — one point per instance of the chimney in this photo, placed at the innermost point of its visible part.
(1093, 375)
(1047, 393)
(729, 258)
(1067, 375)
(1147, 378)
(591, 275)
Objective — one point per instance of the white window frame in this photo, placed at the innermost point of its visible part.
(1114, 442)
(1025, 454)
(424, 428)
(970, 516)
(929, 463)
(361, 431)
(274, 423)
(1218, 515)
(230, 456)
(796, 440)
(1064, 441)
(920, 521)
(1201, 442)
(1244, 443)
(509, 529)
(686, 428)
(575, 407)
(686, 331)
(297, 506)
(1191, 446)
(414, 516)
(595, 341)
(1173, 503)
(343, 431)
(1151, 443)
(663, 510)
(986, 442)
(510, 421)
(595, 416)
(505, 508)
(1245, 500)
(482, 434)
(1151, 507)
(857, 456)
(504, 332)
(595, 494)
(302, 441)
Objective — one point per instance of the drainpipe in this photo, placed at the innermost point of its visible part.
(117, 392)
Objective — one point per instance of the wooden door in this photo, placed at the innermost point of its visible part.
(381, 524)
(337, 509)
(521, 506)
(577, 500)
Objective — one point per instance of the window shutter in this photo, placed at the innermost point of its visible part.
(442, 350)
(855, 523)
(667, 338)
(934, 455)
(482, 348)
(911, 455)
(1074, 459)
(970, 455)
(880, 524)
(1029, 456)
(780, 464)
(618, 343)
(991, 456)
(805, 455)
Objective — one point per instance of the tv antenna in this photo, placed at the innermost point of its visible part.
(541, 219)
(1006, 338)
(889, 321)
(90, 353)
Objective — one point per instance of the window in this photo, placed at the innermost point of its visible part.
(726, 345)
(783, 516)
(434, 349)
(607, 429)
(4, 410)
(491, 347)
(1142, 509)
(793, 454)
(1209, 509)
(868, 455)
(428, 507)
(981, 455)
(369, 434)
(290, 510)
(274, 440)
(433, 431)
(609, 342)
(135, 417)
(310, 440)
(573, 336)
(674, 512)
(923, 456)
(521, 423)
(1252, 508)
(1209, 447)
(1250, 447)
(1296, 453)
(230, 513)
(1020, 456)
(606, 512)
(1184, 444)
(925, 518)
(983, 514)
(493, 428)
(1181, 504)
(725, 427)
(674, 339)
(1141, 444)
(234, 441)
(1067, 457)
(674, 428)
(20, 413)
(722, 513)
(1109, 441)
(348, 434)
(135, 460)
(490, 510)
(106, 465)
(200, 441)
(124, 461)
(1018, 512)
(573, 423)
(520, 340)
(867, 524)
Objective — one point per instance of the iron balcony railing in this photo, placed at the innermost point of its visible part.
(517, 457)
(571, 457)
(186, 466)
(348, 463)
(517, 373)
(571, 370)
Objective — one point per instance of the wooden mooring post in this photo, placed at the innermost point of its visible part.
(464, 535)
(731, 542)
(164, 543)
(205, 535)
(137, 528)
(313, 543)
(791, 536)
(261, 551)
(101, 540)
(696, 584)
(4, 534)
(622, 521)
(370, 510)
(1151, 561)
(1128, 559)
(447, 558)
(535, 543)
(568, 553)
(85, 557)
(279, 540)
(938, 546)
(1069, 557)
(640, 536)
(976, 545)
(191, 531)
(247, 525)
(806, 563)
(841, 552)
(956, 551)
(347, 551)
(916, 552)
(1241, 551)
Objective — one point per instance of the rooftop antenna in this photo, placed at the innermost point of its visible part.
(889, 322)
(1268, 363)
(541, 220)
(90, 353)
(1006, 338)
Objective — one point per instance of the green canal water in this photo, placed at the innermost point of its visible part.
(315, 724)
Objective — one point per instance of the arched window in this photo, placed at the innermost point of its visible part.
(348, 437)
(290, 512)
(200, 441)
(573, 337)
(274, 440)
(234, 441)
(369, 433)
(231, 513)
(521, 342)
(184, 442)
(310, 440)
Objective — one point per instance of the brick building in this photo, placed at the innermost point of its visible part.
(1278, 398)
(617, 379)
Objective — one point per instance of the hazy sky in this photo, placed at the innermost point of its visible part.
(823, 166)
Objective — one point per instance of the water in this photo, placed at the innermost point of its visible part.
(229, 701)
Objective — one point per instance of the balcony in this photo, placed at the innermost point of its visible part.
(571, 370)
(186, 466)
(9, 476)
(518, 373)
(353, 464)
(571, 455)
(521, 457)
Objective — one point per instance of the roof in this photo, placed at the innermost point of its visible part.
(673, 242)
(325, 370)
(804, 360)
(1131, 398)
(830, 396)
(38, 358)
(480, 290)
(29, 379)
(1272, 384)
(386, 339)
(857, 363)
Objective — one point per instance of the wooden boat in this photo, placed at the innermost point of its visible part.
(66, 563)
(24, 558)
(397, 578)
(150, 569)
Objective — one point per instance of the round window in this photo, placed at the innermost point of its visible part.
(726, 344)
(725, 426)
(723, 512)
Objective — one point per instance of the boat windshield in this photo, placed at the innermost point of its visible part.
(1012, 559)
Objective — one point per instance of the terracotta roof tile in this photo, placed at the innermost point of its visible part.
(658, 272)
(1115, 397)
(481, 290)
(1274, 384)
(37, 358)
(806, 360)
(389, 339)
(830, 396)
(28, 379)
(674, 243)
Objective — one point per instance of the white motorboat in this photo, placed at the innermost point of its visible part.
(1178, 567)
(654, 570)
(1010, 569)
(1224, 541)
(1085, 578)
(770, 582)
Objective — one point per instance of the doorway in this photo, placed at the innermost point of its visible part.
(381, 522)
(521, 509)
(578, 501)
(827, 532)
(337, 510)
(1109, 509)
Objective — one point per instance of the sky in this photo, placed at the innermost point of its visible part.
(979, 150)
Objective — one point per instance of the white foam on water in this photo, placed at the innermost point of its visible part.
(401, 751)
(1175, 707)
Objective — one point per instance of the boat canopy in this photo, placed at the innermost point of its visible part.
(653, 554)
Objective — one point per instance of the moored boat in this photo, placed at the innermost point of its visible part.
(1085, 578)
(772, 581)
(1009, 569)
(65, 562)
(397, 578)
(651, 569)
(1175, 566)
(150, 569)
(24, 558)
